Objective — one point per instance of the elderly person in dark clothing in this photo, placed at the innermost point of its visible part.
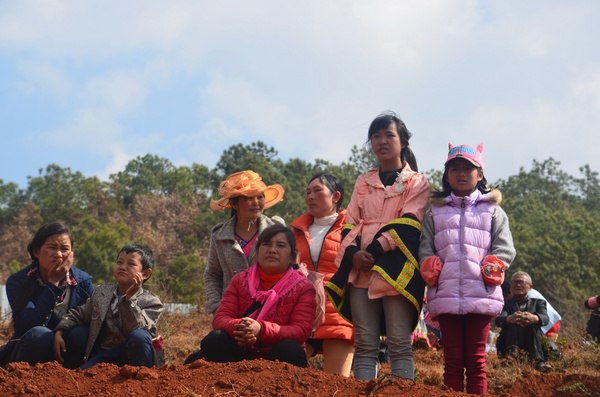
(521, 321)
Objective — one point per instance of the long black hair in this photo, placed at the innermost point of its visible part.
(383, 121)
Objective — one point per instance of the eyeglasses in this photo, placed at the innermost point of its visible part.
(519, 282)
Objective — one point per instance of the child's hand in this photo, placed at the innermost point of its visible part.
(138, 280)
(60, 269)
(59, 346)
(363, 261)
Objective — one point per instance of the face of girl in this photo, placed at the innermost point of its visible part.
(275, 255)
(320, 200)
(387, 145)
(54, 250)
(250, 208)
(463, 177)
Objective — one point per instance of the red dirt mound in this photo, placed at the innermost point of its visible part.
(247, 378)
(556, 385)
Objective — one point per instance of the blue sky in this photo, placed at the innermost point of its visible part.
(93, 84)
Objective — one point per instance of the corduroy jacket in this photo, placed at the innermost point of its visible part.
(141, 312)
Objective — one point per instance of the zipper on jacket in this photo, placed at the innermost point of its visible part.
(462, 256)
(462, 205)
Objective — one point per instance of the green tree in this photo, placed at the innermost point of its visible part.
(257, 157)
(97, 254)
(184, 279)
(589, 188)
(362, 158)
(434, 177)
(555, 233)
(11, 199)
(62, 194)
(155, 175)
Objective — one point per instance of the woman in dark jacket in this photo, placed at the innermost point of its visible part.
(41, 293)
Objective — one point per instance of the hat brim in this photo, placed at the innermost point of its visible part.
(273, 195)
(458, 156)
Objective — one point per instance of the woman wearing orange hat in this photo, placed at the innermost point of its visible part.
(232, 243)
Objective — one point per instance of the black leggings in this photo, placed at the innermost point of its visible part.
(219, 347)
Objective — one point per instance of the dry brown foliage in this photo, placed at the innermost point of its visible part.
(163, 223)
(15, 238)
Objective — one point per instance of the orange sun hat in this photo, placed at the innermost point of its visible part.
(246, 183)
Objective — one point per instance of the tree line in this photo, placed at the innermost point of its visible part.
(553, 217)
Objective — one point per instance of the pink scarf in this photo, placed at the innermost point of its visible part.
(272, 297)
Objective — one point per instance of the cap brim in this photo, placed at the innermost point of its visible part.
(458, 156)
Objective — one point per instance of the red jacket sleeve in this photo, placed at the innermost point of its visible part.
(232, 305)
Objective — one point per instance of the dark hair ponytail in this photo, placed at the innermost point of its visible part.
(407, 155)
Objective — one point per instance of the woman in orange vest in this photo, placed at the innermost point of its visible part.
(318, 236)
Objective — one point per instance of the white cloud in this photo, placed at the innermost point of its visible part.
(42, 79)
(118, 159)
(588, 91)
(308, 77)
(121, 92)
(92, 129)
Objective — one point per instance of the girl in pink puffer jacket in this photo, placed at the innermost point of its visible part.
(466, 245)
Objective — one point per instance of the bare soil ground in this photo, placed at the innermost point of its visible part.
(575, 373)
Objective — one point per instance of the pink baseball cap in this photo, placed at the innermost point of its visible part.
(473, 155)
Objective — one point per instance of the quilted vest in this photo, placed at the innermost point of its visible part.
(463, 238)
